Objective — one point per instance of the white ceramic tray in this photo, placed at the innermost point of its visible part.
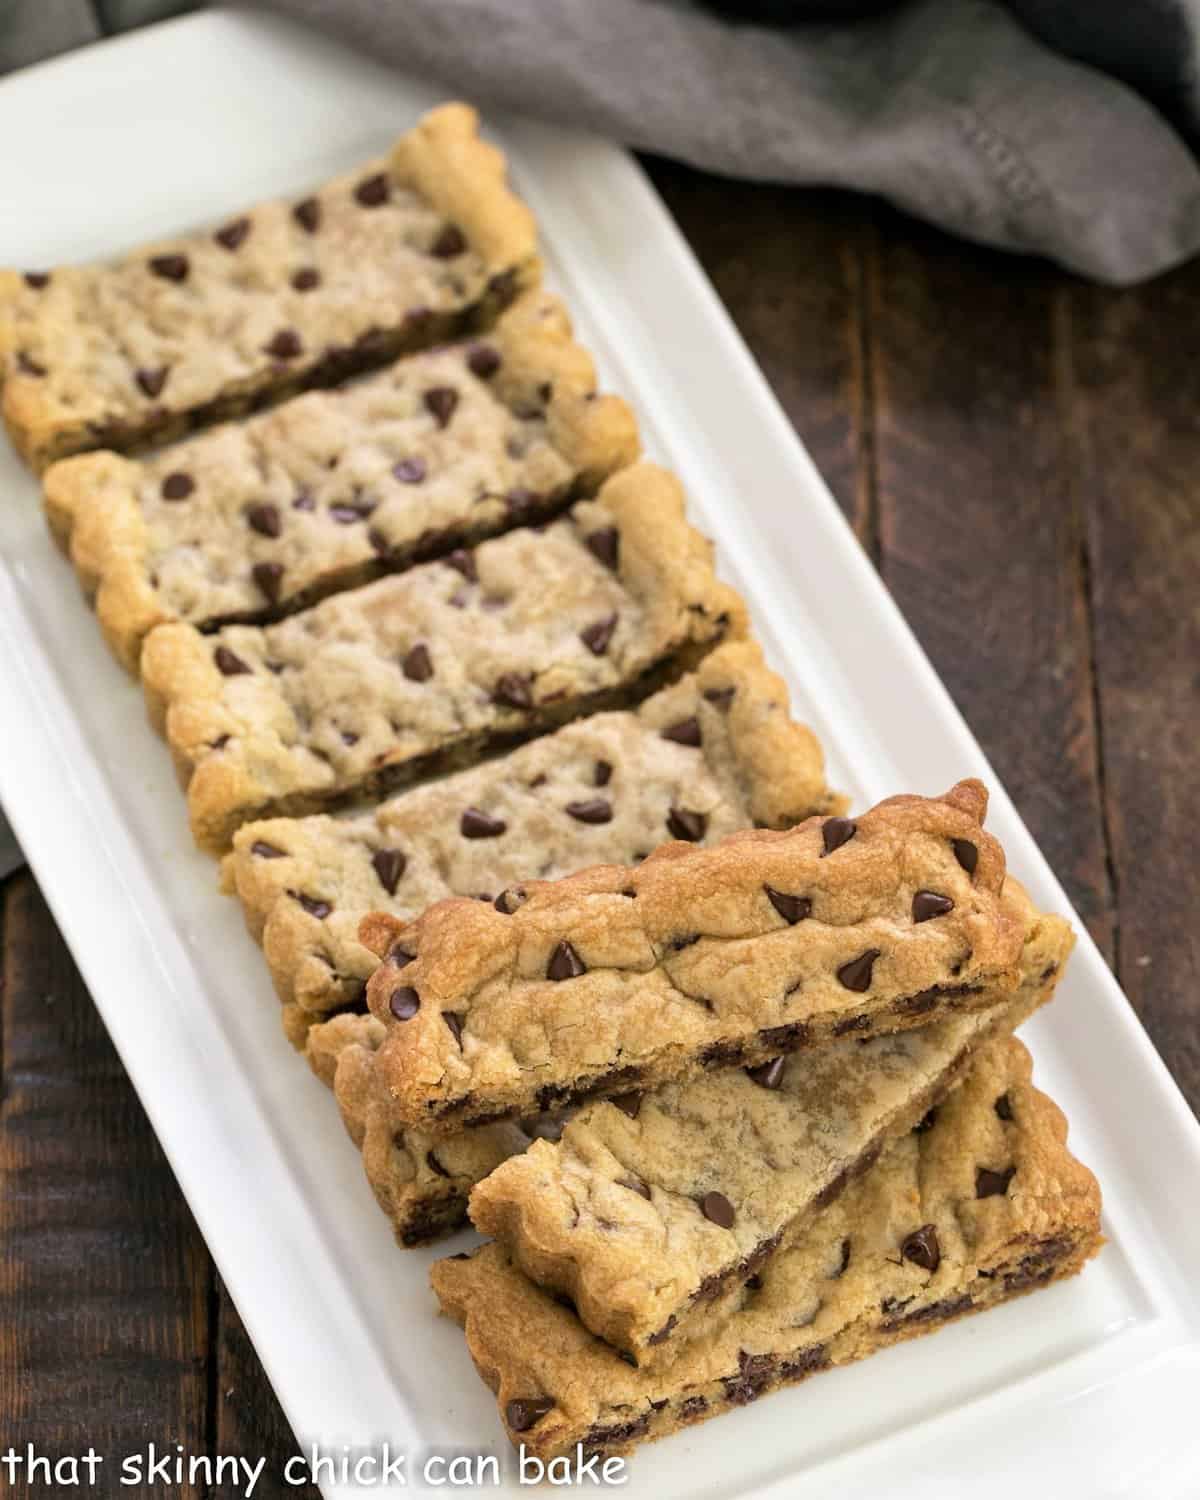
(1087, 1390)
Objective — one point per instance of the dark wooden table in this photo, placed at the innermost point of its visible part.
(1020, 455)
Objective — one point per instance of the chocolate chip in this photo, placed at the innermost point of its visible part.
(28, 365)
(768, 1075)
(418, 664)
(454, 1023)
(926, 1122)
(683, 823)
(177, 486)
(307, 213)
(966, 853)
(285, 344)
(463, 562)
(151, 382)
(721, 698)
(170, 267)
(597, 636)
(792, 909)
(483, 361)
(513, 690)
(37, 279)
(594, 810)
(922, 1248)
(347, 515)
(601, 773)
(477, 825)
(449, 243)
(313, 906)
(410, 470)
(837, 831)
(1003, 1107)
(856, 975)
(508, 901)
(228, 662)
(306, 278)
(628, 1104)
(605, 545)
(718, 1210)
(927, 904)
(232, 235)
(372, 191)
(404, 1002)
(265, 519)
(265, 850)
(389, 865)
(635, 1185)
(268, 576)
(685, 732)
(989, 1184)
(565, 963)
(525, 1413)
(440, 401)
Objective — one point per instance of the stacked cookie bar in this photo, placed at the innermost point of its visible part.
(551, 886)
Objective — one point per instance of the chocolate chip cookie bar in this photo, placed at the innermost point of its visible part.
(405, 252)
(718, 746)
(256, 519)
(618, 979)
(984, 1204)
(651, 1232)
(425, 670)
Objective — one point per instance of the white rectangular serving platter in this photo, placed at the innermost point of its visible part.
(1087, 1390)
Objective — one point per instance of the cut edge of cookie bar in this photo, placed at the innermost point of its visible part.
(776, 763)
(663, 561)
(533, 1207)
(92, 508)
(420, 1184)
(937, 1213)
(459, 174)
(631, 962)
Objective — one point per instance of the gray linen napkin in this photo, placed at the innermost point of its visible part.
(950, 109)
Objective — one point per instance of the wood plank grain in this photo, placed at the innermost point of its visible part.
(981, 523)
(103, 1313)
(248, 1417)
(789, 267)
(1135, 381)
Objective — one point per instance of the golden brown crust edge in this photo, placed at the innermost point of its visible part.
(462, 950)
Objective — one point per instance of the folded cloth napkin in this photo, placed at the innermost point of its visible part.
(950, 109)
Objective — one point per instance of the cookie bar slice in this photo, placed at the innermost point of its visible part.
(651, 1231)
(400, 254)
(420, 1182)
(617, 979)
(984, 1205)
(719, 745)
(257, 519)
(425, 670)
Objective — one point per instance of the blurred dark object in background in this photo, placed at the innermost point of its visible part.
(794, 12)
(1152, 45)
